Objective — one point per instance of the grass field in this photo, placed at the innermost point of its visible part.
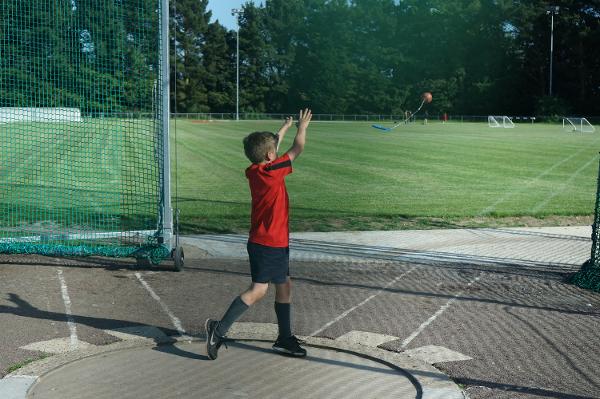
(354, 177)
(96, 175)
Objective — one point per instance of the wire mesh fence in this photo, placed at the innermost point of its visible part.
(81, 137)
(589, 275)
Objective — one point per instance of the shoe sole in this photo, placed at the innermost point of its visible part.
(207, 338)
(288, 353)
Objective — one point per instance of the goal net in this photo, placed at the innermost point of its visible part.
(500, 121)
(84, 128)
(578, 125)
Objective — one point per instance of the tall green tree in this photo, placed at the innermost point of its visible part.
(254, 52)
(338, 56)
(576, 56)
(219, 67)
(189, 26)
(140, 54)
(324, 72)
(283, 24)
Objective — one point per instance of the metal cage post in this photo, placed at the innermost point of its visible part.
(166, 211)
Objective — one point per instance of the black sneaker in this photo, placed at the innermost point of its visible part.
(213, 340)
(289, 346)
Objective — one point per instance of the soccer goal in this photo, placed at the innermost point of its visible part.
(500, 121)
(84, 132)
(578, 125)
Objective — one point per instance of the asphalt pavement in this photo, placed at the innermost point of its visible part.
(479, 313)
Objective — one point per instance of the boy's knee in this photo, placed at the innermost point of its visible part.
(283, 291)
(255, 293)
(287, 284)
(260, 292)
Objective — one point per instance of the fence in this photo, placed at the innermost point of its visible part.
(589, 275)
(368, 117)
(267, 116)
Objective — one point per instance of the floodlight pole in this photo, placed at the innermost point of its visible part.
(236, 13)
(552, 11)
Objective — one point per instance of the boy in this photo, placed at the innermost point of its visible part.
(268, 242)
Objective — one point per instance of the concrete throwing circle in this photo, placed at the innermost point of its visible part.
(244, 370)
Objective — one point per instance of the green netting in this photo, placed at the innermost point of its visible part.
(81, 137)
(589, 275)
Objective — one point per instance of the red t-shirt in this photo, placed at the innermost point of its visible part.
(270, 202)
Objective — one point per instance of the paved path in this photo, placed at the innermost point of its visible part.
(487, 307)
(543, 247)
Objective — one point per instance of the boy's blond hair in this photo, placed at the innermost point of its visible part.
(258, 144)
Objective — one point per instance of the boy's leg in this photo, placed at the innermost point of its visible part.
(235, 310)
(283, 308)
(286, 342)
(216, 330)
(255, 293)
(240, 304)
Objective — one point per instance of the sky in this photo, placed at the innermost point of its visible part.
(221, 10)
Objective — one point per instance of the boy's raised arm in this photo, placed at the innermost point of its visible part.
(300, 139)
(281, 133)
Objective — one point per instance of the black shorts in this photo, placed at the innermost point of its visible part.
(268, 264)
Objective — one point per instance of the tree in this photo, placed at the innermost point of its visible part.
(219, 68)
(576, 55)
(253, 55)
(189, 25)
(283, 22)
(338, 56)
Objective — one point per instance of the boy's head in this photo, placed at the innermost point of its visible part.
(260, 147)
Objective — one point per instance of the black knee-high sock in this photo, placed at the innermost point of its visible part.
(282, 310)
(236, 309)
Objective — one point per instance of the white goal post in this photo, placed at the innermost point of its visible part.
(573, 124)
(500, 121)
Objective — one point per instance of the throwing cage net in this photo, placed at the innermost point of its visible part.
(84, 111)
(589, 275)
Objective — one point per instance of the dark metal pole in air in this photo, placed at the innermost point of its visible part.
(236, 13)
(552, 11)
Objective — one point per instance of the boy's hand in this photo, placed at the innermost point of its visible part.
(288, 122)
(298, 146)
(281, 133)
(304, 119)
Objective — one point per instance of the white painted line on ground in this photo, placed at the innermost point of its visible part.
(554, 193)
(352, 309)
(441, 310)
(74, 343)
(176, 322)
(526, 185)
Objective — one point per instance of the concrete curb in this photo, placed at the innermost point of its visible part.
(427, 380)
(16, 387)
